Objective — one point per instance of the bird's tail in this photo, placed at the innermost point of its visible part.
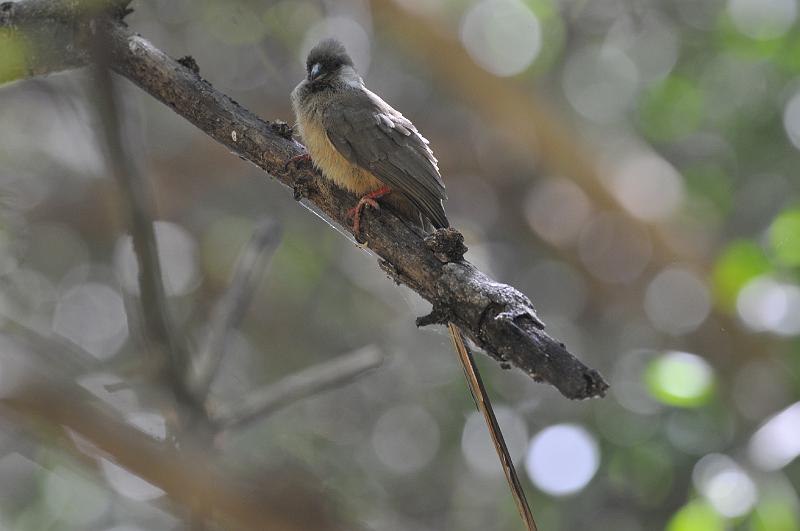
(481, 398)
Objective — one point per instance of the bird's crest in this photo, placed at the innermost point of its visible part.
(329, 51)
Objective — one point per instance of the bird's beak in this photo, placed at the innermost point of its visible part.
(315, 71)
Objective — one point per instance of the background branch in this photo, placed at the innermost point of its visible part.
(186, 477)
(140, 208)
(495, 316)
(292, 388)
(231, 308)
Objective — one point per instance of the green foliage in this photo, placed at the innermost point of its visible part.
(740, 262)
(788, 57)
(680, 379)
(696, 516)
(671, 109)
(775, 515)
(645, 471)
(784, 238)
(732, 40)
(711, 182)
(553, 33)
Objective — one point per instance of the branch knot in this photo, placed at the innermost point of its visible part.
(440, 314)
(447, 245)
(282, 129)
(189, 62)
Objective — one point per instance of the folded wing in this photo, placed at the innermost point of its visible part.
(368, 132)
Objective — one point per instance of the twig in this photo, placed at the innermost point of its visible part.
(138, 197)
(495, 316)
(307, 382)
(229, 311)
(484, 405)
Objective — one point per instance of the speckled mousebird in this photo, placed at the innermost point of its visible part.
(364, 145)
(361, 143)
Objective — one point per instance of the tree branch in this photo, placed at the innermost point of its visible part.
(41, 394)
(495, 316)
(310, 381)
(229, 311)
(137, 193)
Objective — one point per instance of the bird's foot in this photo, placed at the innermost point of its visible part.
(369, 200)
(305, 157)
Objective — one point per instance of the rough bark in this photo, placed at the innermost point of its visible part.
(496, 317)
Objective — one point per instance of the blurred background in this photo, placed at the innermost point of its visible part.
(630, 166)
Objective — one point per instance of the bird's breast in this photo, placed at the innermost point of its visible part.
(327, 158)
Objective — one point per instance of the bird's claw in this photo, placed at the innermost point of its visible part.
(357, 211)
(359, 208)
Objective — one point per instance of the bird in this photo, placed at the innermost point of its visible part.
(362, 143)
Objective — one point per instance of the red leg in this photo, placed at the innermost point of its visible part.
(305, 157)
(365, 201)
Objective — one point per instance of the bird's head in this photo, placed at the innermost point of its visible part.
(326, 60)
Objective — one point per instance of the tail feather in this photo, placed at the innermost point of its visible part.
(481, 398)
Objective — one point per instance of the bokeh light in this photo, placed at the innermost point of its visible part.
(557, 209)
(763, 19)
(680, 379)
(677, 301)
(503, 36)
(648, 186)
(93, 316)
(562, 459)
(726, 486)
(740, 262)
(405, 439)
(177, 254)
(767, 305)
(791, 119)
(601, 83)
(629, 387)
(614, 250)
(651, 41)
(776, 443)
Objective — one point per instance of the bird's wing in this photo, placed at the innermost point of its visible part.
(368, 132)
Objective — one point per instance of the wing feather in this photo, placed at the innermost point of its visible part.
(368, 132)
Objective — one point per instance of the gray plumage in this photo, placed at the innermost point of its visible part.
(366, 131)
